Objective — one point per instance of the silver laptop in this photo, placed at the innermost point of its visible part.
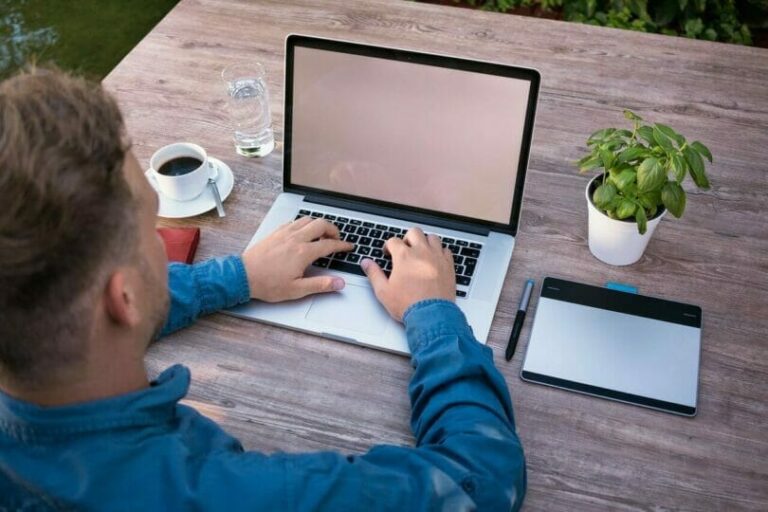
(378, 140)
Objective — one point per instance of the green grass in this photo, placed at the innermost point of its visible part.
(86, 36)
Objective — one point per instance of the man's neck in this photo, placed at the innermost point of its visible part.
(93, 381)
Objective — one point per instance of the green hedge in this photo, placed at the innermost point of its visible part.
(713, 20)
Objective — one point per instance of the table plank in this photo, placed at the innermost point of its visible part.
(280, 390)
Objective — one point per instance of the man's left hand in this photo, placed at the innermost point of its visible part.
(276, 265)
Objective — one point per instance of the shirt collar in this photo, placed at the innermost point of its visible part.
(153, 405)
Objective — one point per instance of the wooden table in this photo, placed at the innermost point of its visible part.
(280, 390)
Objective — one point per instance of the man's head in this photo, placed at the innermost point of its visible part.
(79, 256)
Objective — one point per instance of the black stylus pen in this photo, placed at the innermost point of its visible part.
(519, 319)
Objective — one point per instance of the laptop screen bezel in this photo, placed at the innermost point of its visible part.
(531, 75)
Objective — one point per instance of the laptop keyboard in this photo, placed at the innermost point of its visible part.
(369, 239)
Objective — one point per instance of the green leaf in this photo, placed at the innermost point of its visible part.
(672, 134)
(650, 200)
(626, 209)
(678, 166)
(662, 140)
(673, 197)
(696, 165)
(702, 150)
(631, 153)
(600, 135)
(603, 195)
(631, 115)
(646, 132)
(642, 221)
(622, 133)
(624, 178)
(650, 175)
(606, 155)
(589, 162)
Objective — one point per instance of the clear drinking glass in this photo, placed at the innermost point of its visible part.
(248, 107)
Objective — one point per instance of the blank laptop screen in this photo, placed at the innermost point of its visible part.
(436, 138)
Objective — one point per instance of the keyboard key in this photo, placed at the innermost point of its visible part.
(462, 280)
(380, 262)
(461, 293)
(303, 212)
(454, 249)
(377, 253)
(353, 258)
(377, 243)
(352, 268)
(387, 235)
(362, 231)
(339, 224)
(349, 228)
(448, 240)
(462, 243)
(343, 219)
(299, 216)
(375, 233)
(316, 214)
(355, 222)
(322, 262)
(459, 269)
(469, 270)
(363, 251)
(388, 265)
(352, 238)
(458, 259)
(368, 224)
(365, 241)
(381, 227)
(475, 245)
(472, 253)
(470, 262)
(329, 216)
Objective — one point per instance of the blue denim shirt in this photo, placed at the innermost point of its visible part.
(146, 451)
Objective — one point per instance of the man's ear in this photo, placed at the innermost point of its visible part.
(120, 299)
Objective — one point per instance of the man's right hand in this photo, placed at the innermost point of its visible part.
(421, 269)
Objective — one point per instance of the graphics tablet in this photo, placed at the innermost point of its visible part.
(626, 347)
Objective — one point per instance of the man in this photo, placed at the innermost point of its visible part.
(84, 289)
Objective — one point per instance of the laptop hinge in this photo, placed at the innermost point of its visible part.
(395, 213)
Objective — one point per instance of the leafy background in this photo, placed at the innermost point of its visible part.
(730, 21)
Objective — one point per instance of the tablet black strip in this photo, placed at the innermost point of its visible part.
(609, 393)
(621, 302)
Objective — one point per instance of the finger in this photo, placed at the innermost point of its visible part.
(447, 253)
(394, 245)
(318, 228)
(319, 284)
(415, 236)
(299, 223)
(326, 246)
(377, 276)
(434, 241)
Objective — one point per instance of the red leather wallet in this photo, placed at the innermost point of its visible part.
(180, 243)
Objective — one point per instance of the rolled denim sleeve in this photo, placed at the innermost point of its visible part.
(204, 288)
(467, 454)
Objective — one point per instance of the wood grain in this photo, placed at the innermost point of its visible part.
(280, 390)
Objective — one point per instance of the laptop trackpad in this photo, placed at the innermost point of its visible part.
(354, 307)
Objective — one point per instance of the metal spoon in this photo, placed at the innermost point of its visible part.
(215, 190)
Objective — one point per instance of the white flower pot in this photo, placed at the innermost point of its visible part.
(617, 242)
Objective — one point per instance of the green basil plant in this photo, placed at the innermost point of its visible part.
(643, 170)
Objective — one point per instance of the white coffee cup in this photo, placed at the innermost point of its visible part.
(190, 184)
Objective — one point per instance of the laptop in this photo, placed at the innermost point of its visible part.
(378, 140)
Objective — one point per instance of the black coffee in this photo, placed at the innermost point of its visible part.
(179, 166)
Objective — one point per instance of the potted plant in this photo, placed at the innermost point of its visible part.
(643, 170)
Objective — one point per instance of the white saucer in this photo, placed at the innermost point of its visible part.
(172, 209)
